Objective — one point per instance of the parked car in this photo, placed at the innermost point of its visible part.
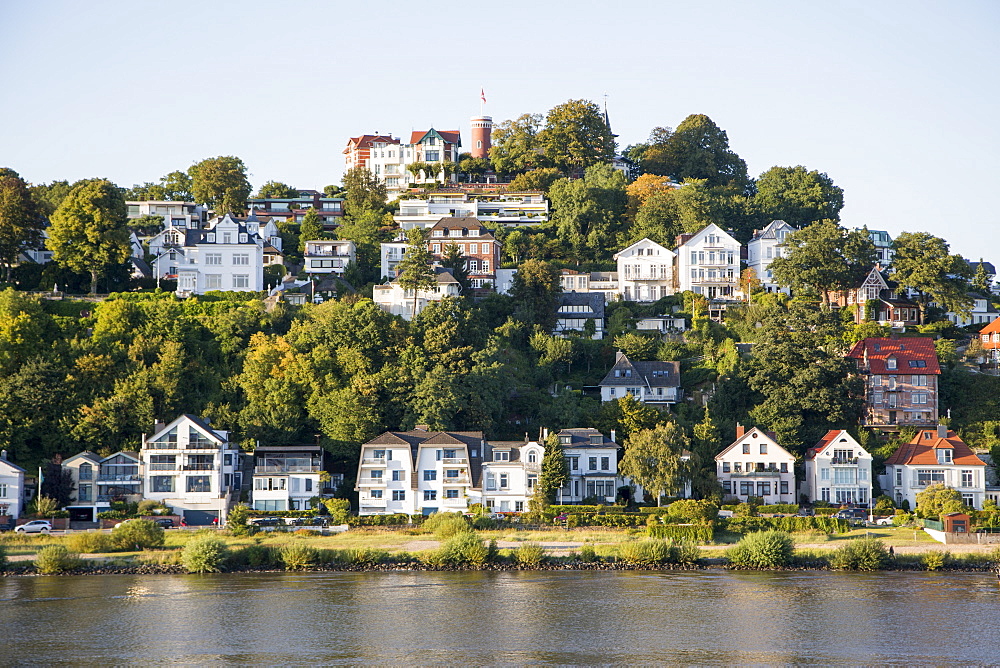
(165, 522)
(34, 526)
(883, 521)
(265, 521)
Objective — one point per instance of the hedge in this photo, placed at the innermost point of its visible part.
(789, 524)
(785, 508)
(398, 519)
(700, 533)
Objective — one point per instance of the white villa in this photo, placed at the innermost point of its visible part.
(510, 209)
(838, 470)
(11, 487)
(645, 271)
(510, 474)
(592, 463)
(226, 256)
(394, 299)
(419, 471)
(192, 468)
(84, 468)
(656, 383)
(328, 256)
(766, 245)
(286, 477)
(935, 456)
(708, 263)
(755, 465)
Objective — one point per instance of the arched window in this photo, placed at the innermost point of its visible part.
(86, 472)
(479, 144)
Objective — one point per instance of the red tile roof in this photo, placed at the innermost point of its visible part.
(913, 355)
(922, 450)
(368, 139)
(992, 328)
(822, 443)
(450, 136)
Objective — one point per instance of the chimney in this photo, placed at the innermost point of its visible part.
(740, 430)
(614, 436)
(3, 454)
(158, 425)
(942, 431)
(422, 427)
(545, 434)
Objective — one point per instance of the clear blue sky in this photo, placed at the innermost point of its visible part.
(896, 101)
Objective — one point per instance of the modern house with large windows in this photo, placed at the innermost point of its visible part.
(192, 468)
(708, 263)
(510, 475)
(838, 470)
(286, 477)
(754, 465)
(84, 468)
(935, 457)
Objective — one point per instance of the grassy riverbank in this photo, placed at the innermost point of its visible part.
(555, 547)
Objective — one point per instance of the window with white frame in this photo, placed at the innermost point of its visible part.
(213, 259)
(241, 281)
(213, 281)
(399, 495)
(241, 259)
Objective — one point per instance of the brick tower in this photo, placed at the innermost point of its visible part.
(482, 128)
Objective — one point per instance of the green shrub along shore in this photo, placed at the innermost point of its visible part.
(458, 546)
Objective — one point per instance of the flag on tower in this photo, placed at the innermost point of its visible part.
(482, 95)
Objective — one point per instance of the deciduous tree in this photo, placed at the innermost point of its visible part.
(310, 229)
(516, 146)
(89, 231)
(824, 257)
(576, 136)
(221, 183)
(589, 210)
(276, 190)
(653, 459)
(415, 271)
(363, 191)
(924, 263)
(797, 196)
(20, 220)
(536, 291)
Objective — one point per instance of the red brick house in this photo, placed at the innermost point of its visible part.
(901, 386)
(474, 240)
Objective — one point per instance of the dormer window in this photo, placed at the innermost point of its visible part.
(597, 439)
(945, 456)
(565, 440)
(890, 363)
(532, 457)
(501, 456)
(211, 237)
(243, 237)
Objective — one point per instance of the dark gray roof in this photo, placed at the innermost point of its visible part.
(594, 300)
(990, 269)
(770, 232)
(418, 438)
(651, 374)
(580, 437)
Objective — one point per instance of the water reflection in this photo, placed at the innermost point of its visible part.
(481, 618)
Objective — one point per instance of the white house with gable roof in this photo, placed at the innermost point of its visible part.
(755, 465)
(766, 245)
(708, 263)
(645, 271)
(509, 475)
(224, 257)
(838, 470)
(11, 487)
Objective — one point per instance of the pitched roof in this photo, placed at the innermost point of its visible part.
(449, 136)
(652, 374)
(771, 230)
(593, 300)
(923, 449)
(833, 437)
(367, 140)
(755, 434)
(992, 328)
(644, 243)
(912, 354)
(417, 438)
(580, 437)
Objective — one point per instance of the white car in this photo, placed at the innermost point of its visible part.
(34, 526)
(883, 521)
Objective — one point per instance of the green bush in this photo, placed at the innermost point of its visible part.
(298, 557)
(529, 554)
(587, 554)
(237, 522)
(366, 556)
(934, 560)
(204, 554)
(902, 518)
(90, 542)
(446, 525)
(775, 508)
(137, 535)
(746, 525)
(697, 533)
(650, 552)
(397, 519)
(690, 510)
(761, 549)
(254, 556)
(860, 554)
(687, 552)
(339, 509)
(462, 549)
(55, 559)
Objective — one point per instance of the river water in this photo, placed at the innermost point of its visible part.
(473, 618)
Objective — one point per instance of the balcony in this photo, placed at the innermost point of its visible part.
(371, 482)
(318, 252)
(262, 470)
(373, 461)
(454, 460)
(458, 502)
(456, 480)
(199, 467)
(163, 467)
(372, 502)
(135, 477)
(767, 473)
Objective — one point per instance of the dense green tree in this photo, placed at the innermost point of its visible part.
(797, 196)
(177, 187)
(653, 156)
(588, 211)
(981, 281)
(924, 263)
(145, 192)
(938, 499)
(49, 196)
(363, 191)
(697, 149)
(554, 473)
(89, 231)
(653, 459)
(541, 178)
(20, 220)
(516, 146)
(415, 271)
(706, 443)
(536, 291)
(276, 190)
(273, 391)
(824, 257)
(310, 229)
(453, 260)
(221, 183)
(473, 167)
(576, 136)
(32, 404)
(638, 347)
